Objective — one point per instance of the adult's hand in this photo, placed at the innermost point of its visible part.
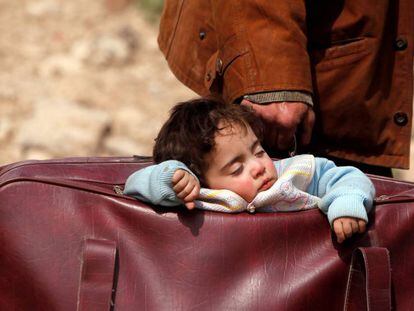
(282, 120)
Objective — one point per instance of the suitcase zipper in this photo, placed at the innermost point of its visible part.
(118, 190)
(80, 185)
(405, 196)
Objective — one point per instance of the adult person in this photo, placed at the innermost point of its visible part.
(347, 63)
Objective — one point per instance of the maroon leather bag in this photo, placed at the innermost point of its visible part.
(71, 241)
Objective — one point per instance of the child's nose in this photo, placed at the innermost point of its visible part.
(257, 168)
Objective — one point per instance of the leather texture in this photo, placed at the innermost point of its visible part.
(97, 278)
(174, 259)
(369, 280)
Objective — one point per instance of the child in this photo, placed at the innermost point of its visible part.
(209, 156)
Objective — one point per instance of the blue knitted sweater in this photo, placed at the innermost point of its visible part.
(340, 191)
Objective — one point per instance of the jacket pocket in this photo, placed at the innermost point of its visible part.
(342, 53)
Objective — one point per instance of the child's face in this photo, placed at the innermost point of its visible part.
(239, 163)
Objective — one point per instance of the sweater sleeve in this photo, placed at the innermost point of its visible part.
(344, 191)
(280, 96)
(153, 183)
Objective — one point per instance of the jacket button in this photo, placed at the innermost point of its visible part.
(400, 44)
(219, 66)
(401, 118)
(202, 35)
(208, 76)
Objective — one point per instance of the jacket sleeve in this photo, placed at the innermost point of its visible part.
(153, 183)
(262, 46)
(344, 191)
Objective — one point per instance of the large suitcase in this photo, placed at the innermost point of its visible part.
(70, 240)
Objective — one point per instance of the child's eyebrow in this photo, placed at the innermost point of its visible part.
(240, 157)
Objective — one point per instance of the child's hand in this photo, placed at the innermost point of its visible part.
(345, 227)
(186, 186)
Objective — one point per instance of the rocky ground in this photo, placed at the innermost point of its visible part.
(81, 78)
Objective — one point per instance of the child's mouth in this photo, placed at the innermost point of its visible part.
(266, 185)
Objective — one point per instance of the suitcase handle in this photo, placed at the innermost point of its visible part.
(369, 280)
(97, 275)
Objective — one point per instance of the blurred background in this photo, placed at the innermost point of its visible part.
(84, 78)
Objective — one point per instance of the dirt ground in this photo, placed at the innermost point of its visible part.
(82, 78)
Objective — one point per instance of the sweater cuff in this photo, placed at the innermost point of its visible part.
(165, 177)
(347, 206)
(280, 96)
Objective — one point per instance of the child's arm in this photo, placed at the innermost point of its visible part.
(346, 196)
(169, 183)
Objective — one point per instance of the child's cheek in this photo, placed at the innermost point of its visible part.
(270, 168)
(246, 189)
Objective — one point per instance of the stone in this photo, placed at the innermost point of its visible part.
(129, 35)
(5, 129)
(59, 65)
(37, 154)
(62, 128)
(43, 8)
(125, 146)
(106, 50)
(133, 132)
(116, 5)
(140, 125)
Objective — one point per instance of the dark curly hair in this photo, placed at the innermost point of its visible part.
(189, 133)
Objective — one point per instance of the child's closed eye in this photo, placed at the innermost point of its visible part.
(237, 171)
(260, 153)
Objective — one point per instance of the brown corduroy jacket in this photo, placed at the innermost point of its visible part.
(354, 57)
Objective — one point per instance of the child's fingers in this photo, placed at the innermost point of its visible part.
(340, 235)
(191, 183)
(189, 199)
(180, 186)
(354, 226)
(362, 225)
(181, 183)
(186, 191)
(178, 175)
(193, 194)
(190, 205)
(347, 228)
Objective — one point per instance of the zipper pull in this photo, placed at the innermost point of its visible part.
(118, 190)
